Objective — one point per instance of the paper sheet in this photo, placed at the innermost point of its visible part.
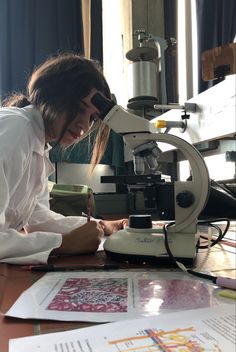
(112, 296)
(100, 248)
(209, 329)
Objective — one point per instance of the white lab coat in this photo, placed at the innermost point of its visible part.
(24, 197)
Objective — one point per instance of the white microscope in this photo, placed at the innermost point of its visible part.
(190, 197)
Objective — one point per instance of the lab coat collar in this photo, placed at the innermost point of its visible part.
(40, 146)
(38, 127)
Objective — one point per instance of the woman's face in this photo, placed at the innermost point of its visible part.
(80, 125)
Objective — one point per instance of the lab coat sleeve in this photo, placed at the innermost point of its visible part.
(19, 248)
(44, 219)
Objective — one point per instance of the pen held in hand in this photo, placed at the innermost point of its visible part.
(89, 205)
(76, 267)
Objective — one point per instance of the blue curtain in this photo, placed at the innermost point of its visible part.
(30, 31)
(216, 26)
(96, 30)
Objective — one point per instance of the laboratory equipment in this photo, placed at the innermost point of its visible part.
(189, 197)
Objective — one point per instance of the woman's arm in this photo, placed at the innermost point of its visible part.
(17, 247)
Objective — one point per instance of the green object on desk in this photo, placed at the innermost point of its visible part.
(71, 200)
(228, 294)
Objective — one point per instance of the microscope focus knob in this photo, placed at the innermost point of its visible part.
(185, 199)
(140, 221)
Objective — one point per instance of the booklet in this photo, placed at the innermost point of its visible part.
(208, 329)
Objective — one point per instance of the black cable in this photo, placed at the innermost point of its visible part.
(171, 256)
(167, 243)
(202, 275)
(213, 242)
(211, 224)
(224, 188)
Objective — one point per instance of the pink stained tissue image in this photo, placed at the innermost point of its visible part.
(175, 294)
(92, 295)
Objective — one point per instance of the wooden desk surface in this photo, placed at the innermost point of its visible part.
(13, 281)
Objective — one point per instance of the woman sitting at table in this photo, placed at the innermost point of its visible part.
(56, 109)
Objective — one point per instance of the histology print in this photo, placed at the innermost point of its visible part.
(92, 295)
(155, 295)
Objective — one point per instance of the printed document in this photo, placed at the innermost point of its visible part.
(208, 329)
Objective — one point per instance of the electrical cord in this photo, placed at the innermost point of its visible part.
(220, 281)
(224, 188)
(221, 233)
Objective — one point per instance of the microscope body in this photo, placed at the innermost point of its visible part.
(188, 197)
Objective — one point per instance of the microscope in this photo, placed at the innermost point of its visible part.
(189, 197)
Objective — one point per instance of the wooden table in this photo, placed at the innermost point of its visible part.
(14, 280)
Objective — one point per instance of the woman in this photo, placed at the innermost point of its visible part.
(57, 109)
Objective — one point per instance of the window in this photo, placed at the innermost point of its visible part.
(114, 60)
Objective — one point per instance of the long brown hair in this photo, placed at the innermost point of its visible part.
(57, 87)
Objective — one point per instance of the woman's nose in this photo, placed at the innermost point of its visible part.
(84, 124)
(82, 127)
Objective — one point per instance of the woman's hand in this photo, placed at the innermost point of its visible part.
(84, 239)
(110, 226)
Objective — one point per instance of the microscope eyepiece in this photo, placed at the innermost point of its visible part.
(102, 104)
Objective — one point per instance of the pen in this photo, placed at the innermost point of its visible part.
(76, 267)
(89, 206)
(220, 281)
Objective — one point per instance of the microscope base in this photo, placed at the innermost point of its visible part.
(153, 260)
(137, 246)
